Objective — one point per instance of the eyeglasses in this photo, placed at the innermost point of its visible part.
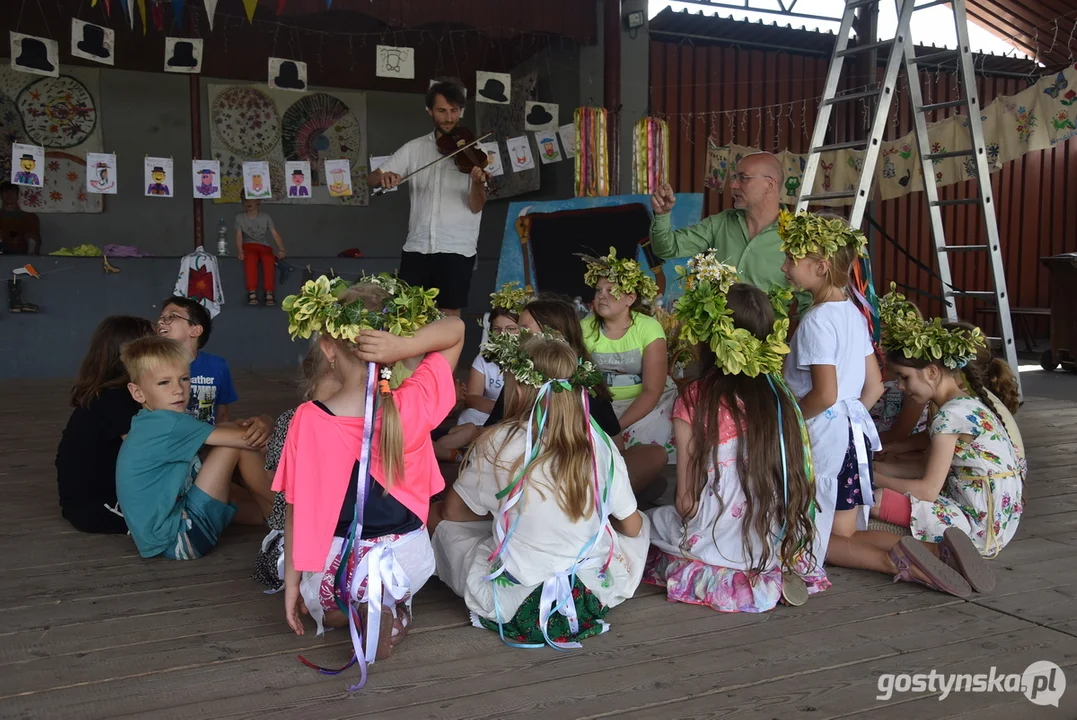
(741, 177)
(167, 319)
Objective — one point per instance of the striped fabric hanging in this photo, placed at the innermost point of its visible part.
(592, 155)
(650, 155)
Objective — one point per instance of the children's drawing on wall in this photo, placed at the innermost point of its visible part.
(339, 175)
(256, 184)
(493, 158)
(158, 177)
(540, 116)
(548, 151)
(206, 175)
(567, 133)
(297, 173)
(395, 62)
(27, 164)
(287, 74)
(35, 55)
(492, 87)
(101, 173)
(183, 55)
(520, 153)
(92, 42)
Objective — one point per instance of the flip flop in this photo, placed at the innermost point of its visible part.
(957, 551)
(910, 553)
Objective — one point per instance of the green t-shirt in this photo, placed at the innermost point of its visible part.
(621, 360)
(154, 470)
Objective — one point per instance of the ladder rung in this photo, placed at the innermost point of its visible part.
(961, 201)
(960, 102)
(852, 4)
(832, 195)
(961, 248)
(852, 144)
(992, 341)
(852, 96)
(951, 154)
(971, 293)
(865, 48)
(932, 57)
(933, 3)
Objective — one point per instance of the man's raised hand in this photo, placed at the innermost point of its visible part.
(663, 199)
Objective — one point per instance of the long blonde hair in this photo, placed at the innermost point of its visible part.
(391, 445)
(565, 445)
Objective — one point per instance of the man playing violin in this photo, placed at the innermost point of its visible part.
(446, 205)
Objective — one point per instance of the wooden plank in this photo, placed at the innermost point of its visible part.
(1046, 606)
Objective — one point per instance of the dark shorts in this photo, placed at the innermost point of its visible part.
(448, 272)
(849, 493)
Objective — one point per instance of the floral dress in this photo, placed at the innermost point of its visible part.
(982, 493)
(267, 565)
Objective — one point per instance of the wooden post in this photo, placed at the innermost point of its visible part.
(611, 86)
(196, 153)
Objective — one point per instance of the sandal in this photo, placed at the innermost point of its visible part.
(252, 298)
(957, 551)
(910, 553)
(269, 300)
(401, 624)
(385, 631)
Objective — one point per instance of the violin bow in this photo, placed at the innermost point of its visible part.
(380, 190)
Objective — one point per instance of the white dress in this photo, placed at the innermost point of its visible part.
(704, 561)
(491, 390)
(835, 333)
(545, 543)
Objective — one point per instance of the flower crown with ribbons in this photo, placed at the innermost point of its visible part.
(318, 308)
(626, 275)
(906, 332)
(809, 234)
(705, 317)
(506, 351)
(510, 298)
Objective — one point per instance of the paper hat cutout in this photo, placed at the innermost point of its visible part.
(92, 42)
(287, 74)
(539, 115)
(183, 55)
(35, 55)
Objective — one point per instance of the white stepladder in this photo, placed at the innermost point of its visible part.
(901, 51)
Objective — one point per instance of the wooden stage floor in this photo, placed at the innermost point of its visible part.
(89, 630)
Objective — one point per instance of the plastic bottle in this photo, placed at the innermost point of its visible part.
(222, 238)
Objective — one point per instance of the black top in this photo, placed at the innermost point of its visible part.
(86, 460)
(601, 411)
(382, 513)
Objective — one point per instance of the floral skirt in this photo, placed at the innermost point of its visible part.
(524, 626)
(654, 428)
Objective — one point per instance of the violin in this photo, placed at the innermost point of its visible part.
(459, 144)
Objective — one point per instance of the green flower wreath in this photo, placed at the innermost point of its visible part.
(905, 331)
(317, 308)
(705, 318)
(810, 234)
(510, 298)
(505, 350)
(626, 275)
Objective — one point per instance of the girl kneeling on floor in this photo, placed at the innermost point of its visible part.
(739, 537)
(566, 542)
(344, 534)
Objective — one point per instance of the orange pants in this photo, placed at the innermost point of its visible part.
(252, 253)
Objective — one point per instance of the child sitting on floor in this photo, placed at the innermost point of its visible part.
(344, 533)
(832, 370)
(485, 381)
(318, 382)
(103, 408)
(566, 542)
(739, 538)
(188, 323)
(629, 347)
(175, 504)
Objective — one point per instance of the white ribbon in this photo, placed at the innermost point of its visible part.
(387, 584)
(862, 424)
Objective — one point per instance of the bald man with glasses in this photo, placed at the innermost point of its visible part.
(745, 236)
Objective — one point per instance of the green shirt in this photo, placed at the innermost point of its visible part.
(758, 260)
(621, 360)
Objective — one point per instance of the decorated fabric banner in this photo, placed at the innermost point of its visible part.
(1037, 118)
(256, 181)
(297, 174)
(339, 174)
(493, 158)
(650, 155)
(520, 154)
(158, 177)
(206, 178)
(592, 156)
(28, 165)
(548, 150)
(505, 121)
(567, 133)
(248, 122)
(101, 173)
(395, 62)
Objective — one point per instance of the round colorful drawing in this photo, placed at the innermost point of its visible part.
(10, 132)
(245, 120)
(319, 127)
(57, 112)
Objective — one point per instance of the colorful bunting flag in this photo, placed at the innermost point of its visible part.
(142, 12)
(211, 10)
(280, 6)
(177, 10)
(249, 6)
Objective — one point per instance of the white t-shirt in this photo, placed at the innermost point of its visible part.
(545, 541)
(833, 333)
(495, 380)
(441, 220)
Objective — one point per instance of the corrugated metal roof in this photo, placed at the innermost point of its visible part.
(672, 26)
